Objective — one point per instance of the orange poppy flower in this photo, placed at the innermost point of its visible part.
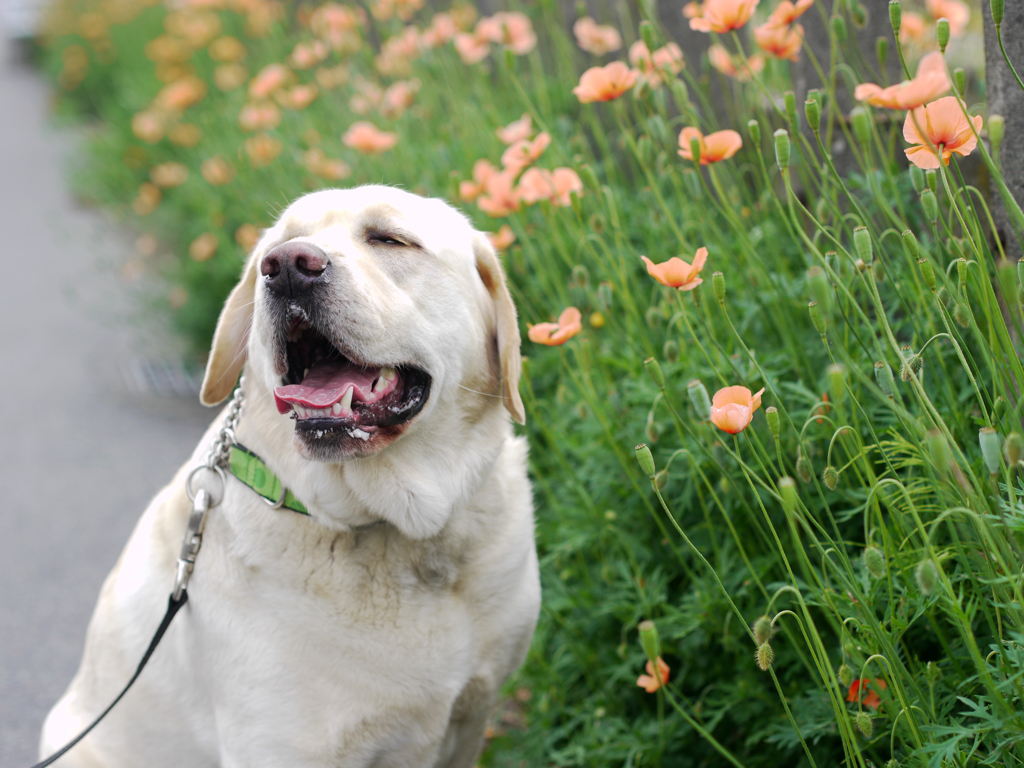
(912, 27)
(501, 197)
(472, 48)
(693, 10)
(786, 13)
(524, 152)
(781, 41)
(723, 15)
(570, 322)
(945, 129)
(368, 139)
(871, 699)
(517, 130)
(717, 146)
(268, 80)
(723, 61)
(503, 238)
(511, 29)
(676, 273)
(651, 681)
(732, 408)
(539, 184)
(659, 66)
(595, 38)
(930, 82)
(605, 83)
(259, 117)
(471, 190)
(956, 11)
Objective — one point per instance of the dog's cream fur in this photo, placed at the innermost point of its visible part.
(323, 640)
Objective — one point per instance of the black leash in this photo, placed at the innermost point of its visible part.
(173, 605)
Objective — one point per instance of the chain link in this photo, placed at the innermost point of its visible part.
(220, 453)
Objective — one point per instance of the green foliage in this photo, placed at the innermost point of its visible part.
(900, 569)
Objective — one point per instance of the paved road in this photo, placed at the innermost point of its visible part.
(81, 449)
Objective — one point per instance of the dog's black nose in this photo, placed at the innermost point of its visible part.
(292, 269)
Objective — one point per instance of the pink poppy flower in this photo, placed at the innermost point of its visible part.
(570, 322)
(368, 139)
(517, 130)
(595, 38)
(724, 15)
(715, 147)
(605, 83)
(930, 82)
(946, 131)
(732, 408)
(676, 273)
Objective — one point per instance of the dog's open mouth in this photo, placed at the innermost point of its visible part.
(326, 391)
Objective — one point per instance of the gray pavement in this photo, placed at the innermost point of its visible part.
(83, 447)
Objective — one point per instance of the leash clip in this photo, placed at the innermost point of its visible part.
(192, 541)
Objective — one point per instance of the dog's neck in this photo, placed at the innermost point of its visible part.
(415, 484)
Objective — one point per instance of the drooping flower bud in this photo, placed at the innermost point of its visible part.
(960, 80)
(836, 374)
(754, 128)
(864, 724)
(859, 14)
(962, 274)
(962, 314)
(830, 477)
(882, 52)
(671, 350)
(991, 442)
(771, 415)
(878, 271)
(699, 399)
(820, 289)
(996, 127)
(917, 178)
(645, 459)
(939, 449)
(653, 431)
(862, 244)
(765, 656)
(661, 479)
(649, 639)
(645, 149)
(845, 675)
(911, 244)
(653, 317)
(813, 112)
(1013, 449)
(817, 318)
(787, 489)
(927, 577)
(999, 408)
(839, 29)
(804, 469)
(928, 273)
(681, 95)
(861, 124)
(783, 148)
(654, 371)
(789, 99)
(932, 179)
(942, 33)
(884, 378)
(718, 283)
(762, 630)
(874, 562)
(588, 176)
(648, 35)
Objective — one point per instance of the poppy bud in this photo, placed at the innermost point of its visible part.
(699, 399)
(836, 381)
(998, 8)
(961, 273)
(762, 630)
(649, 639)
(893, 763)
(859, 14)
(884, 379)
(928, 272)
(804, 470)
(754, 128)
(996, 127)
(874, 562)
(821, 209)
(787, 489)
(930, 205)
(671, 350)
(932, 179)
(845, 675)
(645, 149)
(927, 577)
(820, 288)
(961, 82)
(771, 415)
(942, 33)
(654, 371)
(962, 314)
(839, 28)
(695, 150)
(645, 459)
(765, 656)
(895, 17)
(830, 477)
(862, 244)
(991, 442)
(604, 295)
(588, 176)
(653, 317)
(999, 407)
(916, 178)
(789, 98)
(718, 282)
(648, 35)
(878, 271)
(1013, 449)
(783, 149)
(653, 431)
(817, 318)
(681, 95)
(939, 449)
(661, 479)
(882, 52)
(813, 112)
(861, 120)
(864, 724)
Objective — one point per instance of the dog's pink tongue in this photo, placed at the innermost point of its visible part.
(325, 384)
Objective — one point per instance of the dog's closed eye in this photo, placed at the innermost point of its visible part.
(390, 239)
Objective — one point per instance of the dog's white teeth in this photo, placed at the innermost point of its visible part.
(380, 384)
(388, 373)
(336, 409)
(346, 401)
(304, 372)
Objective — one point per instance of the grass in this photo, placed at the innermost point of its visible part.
(894, 556)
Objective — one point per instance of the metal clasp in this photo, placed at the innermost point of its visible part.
(192, 541)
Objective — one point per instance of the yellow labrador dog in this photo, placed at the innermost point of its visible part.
(381, 357)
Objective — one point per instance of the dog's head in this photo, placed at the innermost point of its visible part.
(368, 313)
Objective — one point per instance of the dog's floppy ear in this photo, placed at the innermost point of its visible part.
(227, 355)
(493, 276)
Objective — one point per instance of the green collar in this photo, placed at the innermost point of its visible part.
(250, 469)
